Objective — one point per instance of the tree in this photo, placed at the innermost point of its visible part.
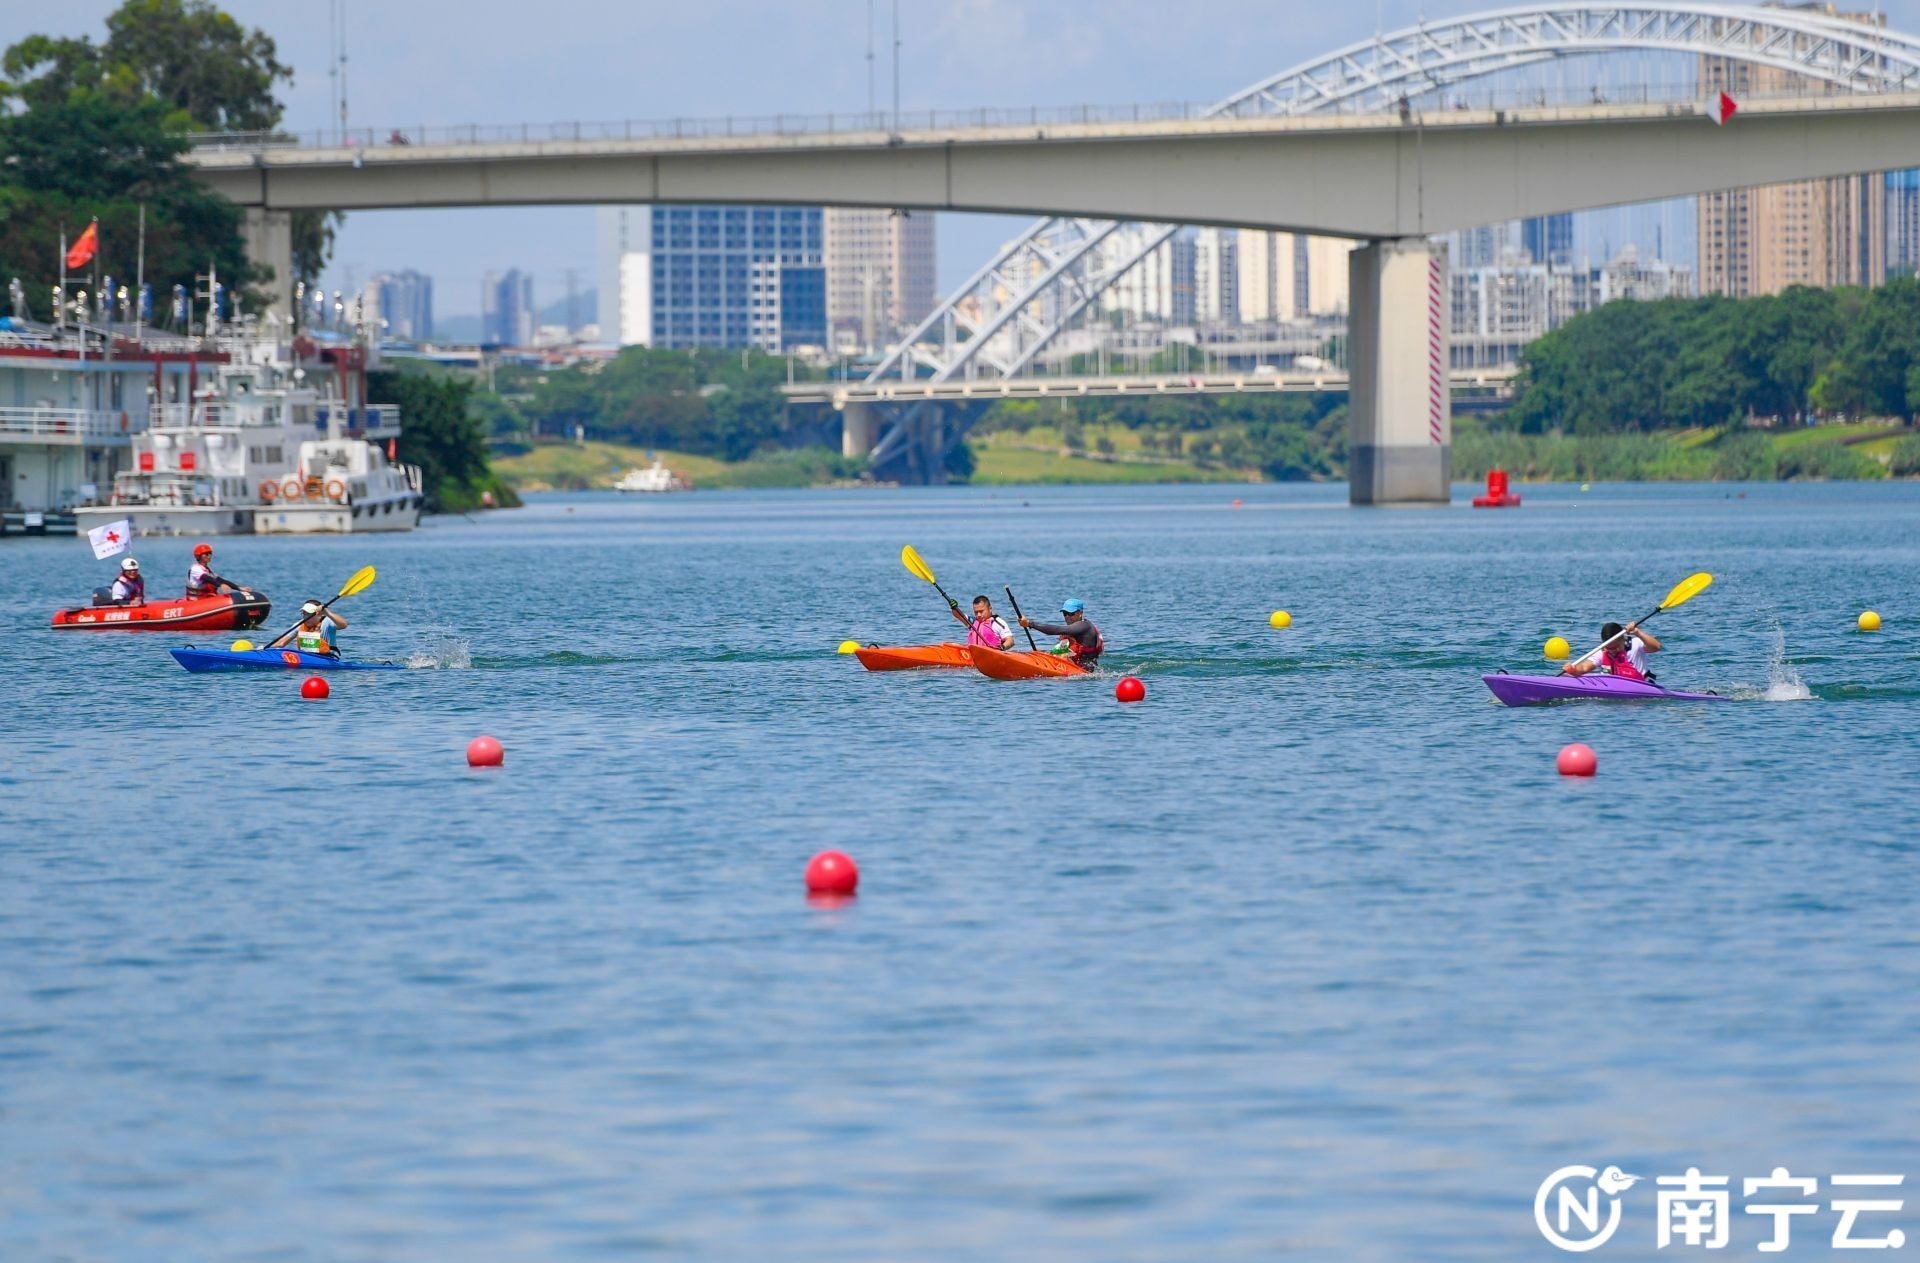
(441, 435)
(103, 127)
(198, 61)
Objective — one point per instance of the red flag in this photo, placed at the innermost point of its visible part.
(393, 449)
(83, 250)
(1723, 109)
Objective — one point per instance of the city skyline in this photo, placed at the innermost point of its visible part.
(652, 60)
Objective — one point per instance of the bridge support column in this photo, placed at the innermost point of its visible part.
(1400, 437)
(268, 236)
(859, 428)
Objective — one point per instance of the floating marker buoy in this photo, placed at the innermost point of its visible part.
(1131, 689)
(1577, 760)
(485, 752)
(315, 688)
(241, 646)
(1279, 618)
(1236, 504)
(832, 873)
(1869, 621)
(1557, 649)
(1586, 486)
(848, 646)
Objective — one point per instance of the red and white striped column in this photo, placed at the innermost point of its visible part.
(1401, 426)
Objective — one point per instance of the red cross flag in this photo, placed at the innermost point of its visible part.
(114, 537)
(1721, 109)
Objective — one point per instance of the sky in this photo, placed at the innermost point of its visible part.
(447, 62)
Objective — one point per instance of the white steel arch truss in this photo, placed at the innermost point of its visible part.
(1039, 284)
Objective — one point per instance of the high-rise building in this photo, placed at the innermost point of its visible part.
(1548, 238)
(403, 304)
(1903, 223)
(1157, 289)
(506, 309)
(714, 276)
(1811, 232)
(1291, 276)
(880, 274)
(1216, 276)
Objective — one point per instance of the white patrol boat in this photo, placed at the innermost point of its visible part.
(656, 477)
(271, 445)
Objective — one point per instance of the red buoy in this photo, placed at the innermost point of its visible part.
(1577, 760)
(1131, 689)
(832, 873)
(315, 688)
(485, 752)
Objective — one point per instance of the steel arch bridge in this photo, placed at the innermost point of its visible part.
(1045, 280)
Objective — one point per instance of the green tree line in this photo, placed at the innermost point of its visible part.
(98, 130)
(1715, 362)
(710, 403)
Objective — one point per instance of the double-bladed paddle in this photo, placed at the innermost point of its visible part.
(1684, 591)
(361, 581)
(1022, 617)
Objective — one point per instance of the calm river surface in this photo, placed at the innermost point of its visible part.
(1312, 954)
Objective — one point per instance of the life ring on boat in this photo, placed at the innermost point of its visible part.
(290, 489)
(336, 490)
(268, 490)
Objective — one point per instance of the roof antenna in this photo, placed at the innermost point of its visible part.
(869, 57)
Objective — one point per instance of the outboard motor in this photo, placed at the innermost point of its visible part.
(103, 596)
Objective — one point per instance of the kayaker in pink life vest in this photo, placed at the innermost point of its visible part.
(1623, 652)
(986, 627)
(1079, 638)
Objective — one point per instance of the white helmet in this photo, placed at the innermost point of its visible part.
(130, 564)
(310, 608)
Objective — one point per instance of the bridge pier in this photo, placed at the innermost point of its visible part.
(859, 428)
(268, 237)
(1400, 435)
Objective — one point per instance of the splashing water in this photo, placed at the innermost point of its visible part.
(443, 650)
(1783, 682)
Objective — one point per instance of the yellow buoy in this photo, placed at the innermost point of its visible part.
(1279, 618)
(1558, 649)
(848, 646)
(1869, 621)
(1586, 486)
(241, 646)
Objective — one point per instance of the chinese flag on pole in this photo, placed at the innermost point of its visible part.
(83, 250)
(1723, 109)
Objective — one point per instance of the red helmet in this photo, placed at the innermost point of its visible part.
(203, 550)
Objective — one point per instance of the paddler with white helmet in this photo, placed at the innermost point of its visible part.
(128, 587)
(310, 635)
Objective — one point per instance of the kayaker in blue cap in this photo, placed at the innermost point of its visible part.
(986, 627)
(1623, 652)
(1079, 638)
(310, 635)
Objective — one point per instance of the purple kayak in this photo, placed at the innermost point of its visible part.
(1532, 690)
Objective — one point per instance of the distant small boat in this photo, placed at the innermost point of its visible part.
(656, 477)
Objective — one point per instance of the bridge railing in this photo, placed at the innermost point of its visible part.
(1453, 99)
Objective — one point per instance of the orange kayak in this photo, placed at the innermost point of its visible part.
(908, 657)
(1000, 664)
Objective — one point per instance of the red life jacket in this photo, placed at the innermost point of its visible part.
(1080, 653)
(1618, 663)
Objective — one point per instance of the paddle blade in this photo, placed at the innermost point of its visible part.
(361, 581)
(1687, 589)
(918, 568)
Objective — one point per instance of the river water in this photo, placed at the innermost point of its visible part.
(1312, 954)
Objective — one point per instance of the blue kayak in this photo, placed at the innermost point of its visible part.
(270, 660)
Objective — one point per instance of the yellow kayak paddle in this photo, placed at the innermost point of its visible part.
(1685, 590)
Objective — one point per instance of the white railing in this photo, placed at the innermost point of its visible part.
(219, 414)
(68, 425)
